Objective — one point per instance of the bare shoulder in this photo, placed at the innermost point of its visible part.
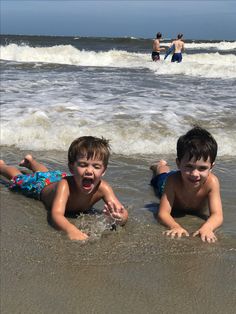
(173, 181)
(212, 181)
(104, 187)
(107, 194)
(174, 177)
(56, 189)
(64, 185)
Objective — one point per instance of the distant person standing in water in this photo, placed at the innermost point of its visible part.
(156, 47)
(179, 47)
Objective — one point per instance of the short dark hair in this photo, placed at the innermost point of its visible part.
(197, 143)
(90, 147)
(179, 36)
(159, 35)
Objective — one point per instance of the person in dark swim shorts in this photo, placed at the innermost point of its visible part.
(179, 47)
(158, 182)
(177, 57)
(155, 56)
(193, 189)
(156, 49)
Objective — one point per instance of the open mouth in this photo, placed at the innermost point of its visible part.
(87, 183)
(194, 180)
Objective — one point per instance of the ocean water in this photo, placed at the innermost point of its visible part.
(54, 89)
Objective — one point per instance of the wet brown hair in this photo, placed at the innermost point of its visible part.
(89, 147)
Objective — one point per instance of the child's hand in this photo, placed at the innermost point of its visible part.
(177, 231)
(206, 235)
(76, 234)
(114, 211)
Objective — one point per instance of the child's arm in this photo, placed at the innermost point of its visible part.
(165, 208)
(206, 232)
(113, 207)
(58, 212)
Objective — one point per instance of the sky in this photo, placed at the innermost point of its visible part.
(200, 19)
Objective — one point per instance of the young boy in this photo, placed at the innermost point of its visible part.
(191, 188)
(87, 160)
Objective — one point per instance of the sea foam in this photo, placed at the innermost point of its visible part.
(199, 64)
(38, 130)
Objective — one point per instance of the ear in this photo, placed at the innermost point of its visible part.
(177, 162)
(212, 165)
(104, 172)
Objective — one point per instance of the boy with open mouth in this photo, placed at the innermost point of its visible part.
(76, 193)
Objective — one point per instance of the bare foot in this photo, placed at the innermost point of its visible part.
(2, 162)
(160, 167)
(26, 162)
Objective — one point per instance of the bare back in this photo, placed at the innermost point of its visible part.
(179, 45)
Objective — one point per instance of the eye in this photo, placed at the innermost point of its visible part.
(97, 166)
(203, 168)
(189, 167)
(82, 164)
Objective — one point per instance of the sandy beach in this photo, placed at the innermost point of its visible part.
(134, 269)
(85, 68)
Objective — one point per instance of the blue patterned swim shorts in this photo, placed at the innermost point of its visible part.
(32, 184)
(159, 181)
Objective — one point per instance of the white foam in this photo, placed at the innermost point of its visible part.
(42, 110)
(40, 130)
(204, 64)
(223, 45)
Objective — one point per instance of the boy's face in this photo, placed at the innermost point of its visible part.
(194, 172)
(87, 173)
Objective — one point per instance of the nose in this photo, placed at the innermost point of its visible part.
(89, 170)
(195, 173)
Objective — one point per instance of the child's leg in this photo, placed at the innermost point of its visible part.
(8, 171)
(160, 167)
(160, 172)
(30, 163)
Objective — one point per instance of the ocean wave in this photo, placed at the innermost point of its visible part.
(219, 46)
(204, 64)
(39, 130)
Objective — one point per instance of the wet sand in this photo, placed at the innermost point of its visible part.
(132, 270)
